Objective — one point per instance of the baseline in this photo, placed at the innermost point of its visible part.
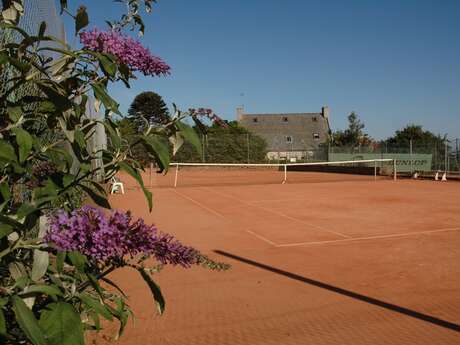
(368, 238)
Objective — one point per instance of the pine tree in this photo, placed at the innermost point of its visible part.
(148, 107)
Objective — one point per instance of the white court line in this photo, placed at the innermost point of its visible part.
(366, 238)
(200, 205)
(262, 238)
(280, 214)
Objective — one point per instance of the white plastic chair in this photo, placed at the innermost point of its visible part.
(116, 185)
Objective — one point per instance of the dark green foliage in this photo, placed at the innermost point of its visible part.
(148, 108)
(354, 135)
(418, 135)
(226, 145)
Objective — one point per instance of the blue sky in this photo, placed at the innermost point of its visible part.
(394, 62)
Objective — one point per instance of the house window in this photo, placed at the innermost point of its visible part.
(316, 136)
(314, 119)
(285, 119)
(255, 119)
(289, 139)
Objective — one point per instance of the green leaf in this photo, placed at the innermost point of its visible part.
(46, 107)
(155, 289)
(24, 210)
(14, 113)
(95, 284)
(5, 230)
(24, 141)
(3, 333)
(78, 260)
(100, 92)
(27, 322)
(7, 151)
(49, 290)
(40, 266)
(5, 195)
(107, 64)
(135, 174)
(60, 258)
(63, 5)
(96, 305)
(42, 29)
(112, 283)
(46, 193)
(17, 270)
(159, 149)
(62, 324)
(190, 135)
(113, 135)
(14, 223)
(99, 199)
(81, 19)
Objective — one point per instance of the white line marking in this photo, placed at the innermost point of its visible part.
(367, 238)
(200, 205)
(280, 214)
(262, 238)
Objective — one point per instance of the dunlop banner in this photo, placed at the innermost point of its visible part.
(405, 162)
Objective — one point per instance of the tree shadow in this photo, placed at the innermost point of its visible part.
(363, 298)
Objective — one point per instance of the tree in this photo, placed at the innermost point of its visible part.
(354, 135)
(417, 135)
(230, 144)
(148, 108)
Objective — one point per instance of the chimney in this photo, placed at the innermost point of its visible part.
(239, 113)
(325, 112)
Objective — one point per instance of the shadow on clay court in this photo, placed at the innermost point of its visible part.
(395, 308)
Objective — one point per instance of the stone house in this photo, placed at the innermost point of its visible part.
(290, 136)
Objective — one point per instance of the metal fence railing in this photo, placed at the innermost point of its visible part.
(443, 155)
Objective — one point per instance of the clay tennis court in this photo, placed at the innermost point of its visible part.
(318, 260)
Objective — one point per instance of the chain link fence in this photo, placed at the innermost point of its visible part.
(247, 148)
(412, 155)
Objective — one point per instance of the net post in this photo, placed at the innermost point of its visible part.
(395, 174)
(175, 177)
(285, 173)
(375, 170)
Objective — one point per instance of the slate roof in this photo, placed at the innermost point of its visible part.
(289, 131)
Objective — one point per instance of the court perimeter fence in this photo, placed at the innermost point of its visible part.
(246, 148)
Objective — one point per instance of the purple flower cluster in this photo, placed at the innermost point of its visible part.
(129, 51)
(208, 113)
(115, 236)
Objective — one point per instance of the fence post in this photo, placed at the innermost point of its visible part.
(395, 175)
(247, 142)
(446, 156)
(410, 157)
(175, 177)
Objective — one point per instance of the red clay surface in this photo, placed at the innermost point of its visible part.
(351, 262)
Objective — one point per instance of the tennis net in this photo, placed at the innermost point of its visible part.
(211, 174)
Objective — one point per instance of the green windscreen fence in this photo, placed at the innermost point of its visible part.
(404, 162)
